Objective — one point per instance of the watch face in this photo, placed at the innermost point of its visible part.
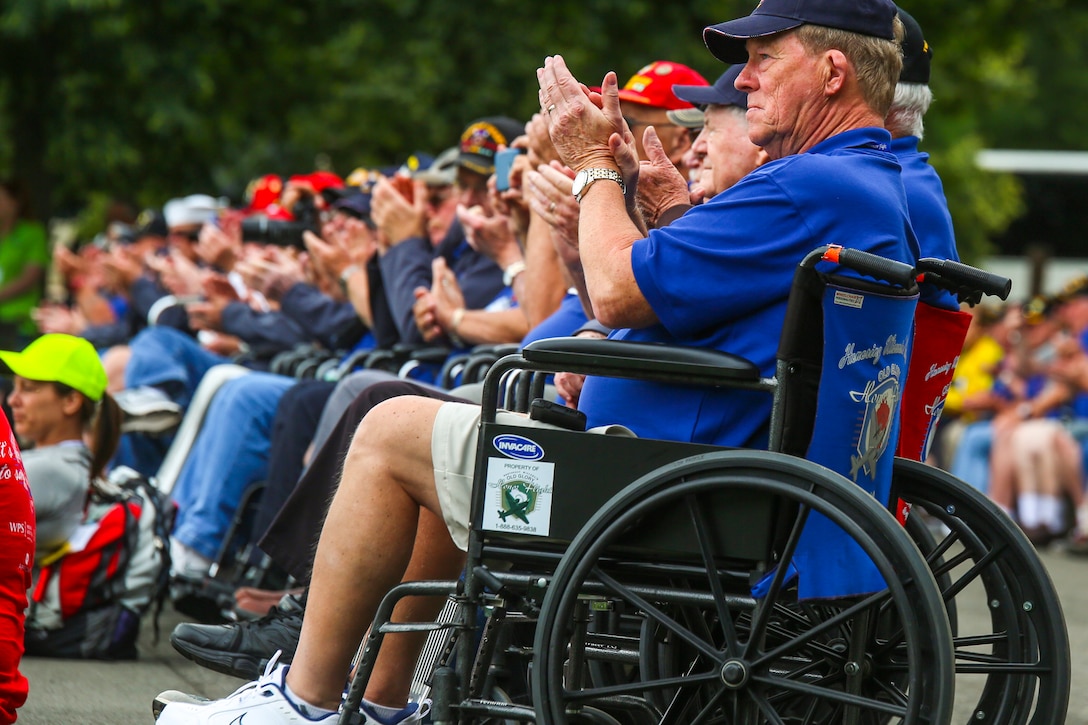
(580, 180)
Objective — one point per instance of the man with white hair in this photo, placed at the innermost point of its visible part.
(929, 213)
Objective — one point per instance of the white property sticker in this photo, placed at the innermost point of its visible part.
(849, 299)
(519, 496)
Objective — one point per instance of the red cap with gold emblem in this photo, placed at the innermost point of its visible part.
(652, 86)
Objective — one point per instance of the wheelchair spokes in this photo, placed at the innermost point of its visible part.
(1016, 670)
(708, 650)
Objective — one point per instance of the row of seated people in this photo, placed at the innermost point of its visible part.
(1015, 419)
(233, 446)
(448, 263)
(717, 276)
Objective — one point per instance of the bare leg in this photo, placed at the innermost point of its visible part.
(434, 557)
(114, 361)
(367, 543)
(1036, 467)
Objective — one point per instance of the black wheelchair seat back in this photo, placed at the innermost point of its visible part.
(546, 484)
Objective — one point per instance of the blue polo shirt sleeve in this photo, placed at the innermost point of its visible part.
(725, 259)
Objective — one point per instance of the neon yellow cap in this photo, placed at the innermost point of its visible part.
(58, 358)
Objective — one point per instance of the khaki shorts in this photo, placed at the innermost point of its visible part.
(453, 451)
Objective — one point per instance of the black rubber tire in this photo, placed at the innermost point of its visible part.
(791, 669)
(1026, 670)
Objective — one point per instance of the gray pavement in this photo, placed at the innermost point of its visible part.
(101, 693)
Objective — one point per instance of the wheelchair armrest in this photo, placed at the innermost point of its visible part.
(434, 355)
(641, 357)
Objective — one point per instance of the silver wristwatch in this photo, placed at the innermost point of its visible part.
(585, 177)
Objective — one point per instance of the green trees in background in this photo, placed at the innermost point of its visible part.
(147, 100)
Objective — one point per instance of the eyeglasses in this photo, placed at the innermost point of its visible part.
(633, 122)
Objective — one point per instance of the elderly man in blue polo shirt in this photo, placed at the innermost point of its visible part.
(718, 277)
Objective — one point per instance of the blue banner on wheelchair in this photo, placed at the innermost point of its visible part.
(866, 351)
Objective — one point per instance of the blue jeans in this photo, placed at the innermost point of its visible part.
(170, 360)
(229, 454)
(971, 463)
(173, 362)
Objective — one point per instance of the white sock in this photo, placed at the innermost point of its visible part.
(187, 561)
(1028, 508)
(306, 708)
(386, 714)
(1051, 513)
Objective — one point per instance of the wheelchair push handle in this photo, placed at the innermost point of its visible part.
(962, 278)
(865, 263)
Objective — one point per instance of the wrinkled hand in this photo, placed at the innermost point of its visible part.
(67, 263)
(491, 236)
(512, 202)
(121, 268)
(359, 240)
(548, 188)
(446, 293)
(56, 318)
(660, 185)
(541, 150)
(424, 312)
(219, 290)
(569, 387)
(580, 123)
(205, 315)
(272, 272)
(329, 259)
(178, 274)
(221, 343)
(396, 217)
(217, 248)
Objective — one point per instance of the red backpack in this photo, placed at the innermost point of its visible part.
(88, 603)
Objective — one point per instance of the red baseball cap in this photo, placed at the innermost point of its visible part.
(652, 86)
(263, 192)
(319, 180)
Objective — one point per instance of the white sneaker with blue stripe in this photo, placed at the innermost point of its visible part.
(263, 702)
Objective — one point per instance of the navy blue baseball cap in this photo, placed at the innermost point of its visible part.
(916, 51)
(722, 93)
(866, 17)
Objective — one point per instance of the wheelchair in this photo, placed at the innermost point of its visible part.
(621, 580)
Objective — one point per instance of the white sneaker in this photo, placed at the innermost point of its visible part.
(263, 702)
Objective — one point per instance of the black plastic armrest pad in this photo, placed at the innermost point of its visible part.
(641, 356)
(433, 354)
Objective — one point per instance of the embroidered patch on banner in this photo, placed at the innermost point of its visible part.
(849, 299)
(519, 497)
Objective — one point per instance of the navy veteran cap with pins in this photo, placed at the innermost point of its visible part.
(866, 17)
(482, 139)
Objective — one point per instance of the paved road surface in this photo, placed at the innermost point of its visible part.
(97, 693)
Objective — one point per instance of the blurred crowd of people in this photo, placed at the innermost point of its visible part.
(1015, 424)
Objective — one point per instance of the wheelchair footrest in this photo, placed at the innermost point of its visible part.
(391, 627)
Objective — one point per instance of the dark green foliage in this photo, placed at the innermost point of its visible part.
(147, 100)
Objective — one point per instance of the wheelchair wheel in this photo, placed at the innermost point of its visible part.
(1018, 668)
(711, 652)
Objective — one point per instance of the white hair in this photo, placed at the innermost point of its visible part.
(910, 104)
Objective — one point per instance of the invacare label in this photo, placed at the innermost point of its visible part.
(518, 447)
